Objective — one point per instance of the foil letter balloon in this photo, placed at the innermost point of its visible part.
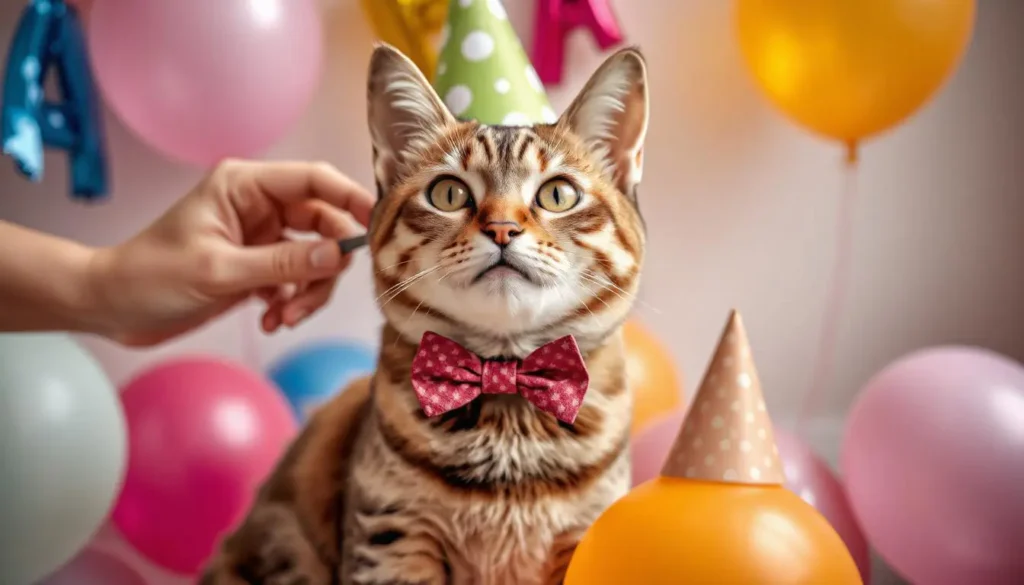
(49, 38)
(718, 513)
(410, 26)
(555, 19)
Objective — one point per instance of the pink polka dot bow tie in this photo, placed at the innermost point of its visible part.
(447, 376)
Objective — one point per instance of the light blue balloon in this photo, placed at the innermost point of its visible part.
(311, 374)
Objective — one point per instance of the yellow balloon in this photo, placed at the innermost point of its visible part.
(411, 26)
(680, 532)
(850, 69)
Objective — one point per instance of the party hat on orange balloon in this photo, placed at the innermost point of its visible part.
(719, 512)
(727, 435)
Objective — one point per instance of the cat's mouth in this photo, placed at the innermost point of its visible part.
(502, 268)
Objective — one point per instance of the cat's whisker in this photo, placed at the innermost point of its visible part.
(543, 261)
(446, 275)
(408, 285)
(401, 286)
(407, 319)
(386, 268)
(629, 296)
(582, 301)
(417, 307)
(605, 286)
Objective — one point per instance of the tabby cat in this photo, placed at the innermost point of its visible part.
(501, 239)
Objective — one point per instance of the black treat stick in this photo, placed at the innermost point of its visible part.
(350, 245)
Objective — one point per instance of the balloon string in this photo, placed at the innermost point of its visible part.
(250, 342)
(835, 299)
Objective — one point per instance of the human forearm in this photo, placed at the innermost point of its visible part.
(45, 283)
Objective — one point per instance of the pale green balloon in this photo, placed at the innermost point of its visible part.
(483, 72)
(62, 452)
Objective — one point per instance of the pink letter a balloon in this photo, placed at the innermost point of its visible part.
(201, 80)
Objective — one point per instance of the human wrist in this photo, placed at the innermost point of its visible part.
(77, 301)
(95, 303)
(46, 283)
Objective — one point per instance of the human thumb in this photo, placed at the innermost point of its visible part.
(286, 262)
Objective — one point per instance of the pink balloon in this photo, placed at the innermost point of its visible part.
(202, 435)
(934, 462)
(650, 447)
(811, 478)
(93, 567)
(201, 80)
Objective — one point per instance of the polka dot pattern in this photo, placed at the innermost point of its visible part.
(728, 435)
(477, 46)
(458, 99)
(446, 376)
(484, 58)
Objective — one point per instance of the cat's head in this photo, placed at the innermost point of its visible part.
(503, 237)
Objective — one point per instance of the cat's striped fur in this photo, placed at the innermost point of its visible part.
(497, 492)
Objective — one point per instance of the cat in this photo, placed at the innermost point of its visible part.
(501, 239)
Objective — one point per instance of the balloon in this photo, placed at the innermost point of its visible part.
(62, 452)
(657, 388)
(850, 70)
(555, 20)
(806, 475)
(203, 434)
(933, 457)
(673, 531)
(200, 81)
(810, 478)
(94, 567)
(651, 446)
(410, 26)
(310, 375)
(74, 124)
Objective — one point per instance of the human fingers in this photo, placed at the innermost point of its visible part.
(292, 181)
(285, 262)
(319, 217)
(308, 302)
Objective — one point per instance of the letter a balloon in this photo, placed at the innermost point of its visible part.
(851, 69)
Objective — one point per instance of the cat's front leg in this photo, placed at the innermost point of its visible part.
(270, 548)
(559, 556)
(389, 547)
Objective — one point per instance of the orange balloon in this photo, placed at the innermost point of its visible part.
(681, 532)
(657, 389)
(850, 69)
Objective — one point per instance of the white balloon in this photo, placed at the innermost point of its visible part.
(62, 452)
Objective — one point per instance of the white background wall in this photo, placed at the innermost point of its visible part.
(740, 206)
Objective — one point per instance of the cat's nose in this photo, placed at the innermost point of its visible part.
(502, 232)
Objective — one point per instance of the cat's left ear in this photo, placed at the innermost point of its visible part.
(406, 117)
(610, 114)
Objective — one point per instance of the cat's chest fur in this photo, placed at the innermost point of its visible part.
(495, 490)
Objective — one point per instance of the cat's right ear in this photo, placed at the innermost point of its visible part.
(405, 114)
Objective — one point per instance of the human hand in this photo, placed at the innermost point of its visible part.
(226, 241)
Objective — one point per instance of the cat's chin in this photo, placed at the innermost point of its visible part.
(502, 277)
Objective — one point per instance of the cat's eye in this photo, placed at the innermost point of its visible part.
(557, 195)
(449, 194)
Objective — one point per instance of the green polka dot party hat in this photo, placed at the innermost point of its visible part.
(483, 73)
